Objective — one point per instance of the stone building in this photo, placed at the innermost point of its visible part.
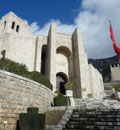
(115, 72)
(60, 57)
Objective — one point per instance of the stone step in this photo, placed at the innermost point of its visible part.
(96, 110)
(93, 123)
(95, 115)
(95, 119)
(92, 127)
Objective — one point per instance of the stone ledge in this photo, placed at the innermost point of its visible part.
(25, 79)
(56, 108)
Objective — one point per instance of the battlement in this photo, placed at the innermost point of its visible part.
(115, 65)
(115, 71)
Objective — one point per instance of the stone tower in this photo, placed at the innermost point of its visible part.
(60, 57)
(115, 72)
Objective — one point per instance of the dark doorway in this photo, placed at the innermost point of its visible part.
(43, 59)
(61, 80)
(62, 88)
(43, 63)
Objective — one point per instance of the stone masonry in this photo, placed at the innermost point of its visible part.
(18, 93)
(57, 55)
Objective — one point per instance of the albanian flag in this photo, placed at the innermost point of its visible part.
(116, 48)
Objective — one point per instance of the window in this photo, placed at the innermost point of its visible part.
(13, 25)
(4, 24)
(116, 65)
(17, 28)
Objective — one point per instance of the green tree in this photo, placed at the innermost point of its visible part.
(68, 85)
(117, 88)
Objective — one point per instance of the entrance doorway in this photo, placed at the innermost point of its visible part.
(61, 80)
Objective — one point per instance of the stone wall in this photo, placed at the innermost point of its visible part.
(109, 88)
(63, 53)
(115, 72)
(53, 116)
(18, 93)
(96, 83)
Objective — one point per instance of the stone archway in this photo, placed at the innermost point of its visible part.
(64, 60)
(61, 79)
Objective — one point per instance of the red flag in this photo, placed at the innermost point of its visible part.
(111, 33)
(116, 48)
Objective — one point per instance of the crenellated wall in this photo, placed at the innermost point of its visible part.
(18, 93)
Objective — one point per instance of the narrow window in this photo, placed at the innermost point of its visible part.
(4, 24)
(13, 25)
(112, 65)
(116, 65)
(17, 28)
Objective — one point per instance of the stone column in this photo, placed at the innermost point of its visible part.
(80, 65)
(38, 51)
(51, 61)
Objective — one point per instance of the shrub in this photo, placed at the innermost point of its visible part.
(36, 76)
(68, 85)
(60, 100)
(32, 121)
(13, 67)
(21, 69)
(57, 92)
(89, 95)
(32, 110)
(116, 86)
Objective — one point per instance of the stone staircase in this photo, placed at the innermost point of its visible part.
(91, 114)
(94, 120)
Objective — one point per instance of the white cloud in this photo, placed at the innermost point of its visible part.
(93, 19)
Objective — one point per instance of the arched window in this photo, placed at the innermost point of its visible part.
(13, 25)
(4, 24)
(17, 28)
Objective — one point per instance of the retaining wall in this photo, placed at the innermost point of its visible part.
(16, 94)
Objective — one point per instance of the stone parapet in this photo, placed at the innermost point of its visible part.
(17, 93)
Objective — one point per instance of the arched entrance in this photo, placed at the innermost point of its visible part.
(61, 80)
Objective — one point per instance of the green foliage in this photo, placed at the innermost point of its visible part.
(57, 92)
(32, 121)
(21, 69)
(116, 86)
(13, 67)
(89, 95)
(68, 85)
(32, 110)
(60, 100)
(36, 76)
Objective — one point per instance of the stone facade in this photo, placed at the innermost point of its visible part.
(57, 55)
(18, 93)
(53, 116)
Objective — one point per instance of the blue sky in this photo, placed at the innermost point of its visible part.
(42, 10)
(91, 16)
